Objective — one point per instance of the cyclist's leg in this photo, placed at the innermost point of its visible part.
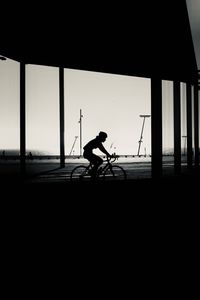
(96, 161)
(87, 156)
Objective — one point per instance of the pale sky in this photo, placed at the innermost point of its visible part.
(193, 7)
(9, 104)
(110, 103)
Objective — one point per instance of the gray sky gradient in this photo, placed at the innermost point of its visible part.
(193, 7)
(9, 105)
(110, 103)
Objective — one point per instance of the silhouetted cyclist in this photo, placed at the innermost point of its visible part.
(93, 158)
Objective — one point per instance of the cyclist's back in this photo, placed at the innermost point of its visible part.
(94, 144)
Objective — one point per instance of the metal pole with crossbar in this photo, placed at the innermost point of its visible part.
(80, 122)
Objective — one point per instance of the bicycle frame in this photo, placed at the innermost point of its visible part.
(108, 165)
(82, 172)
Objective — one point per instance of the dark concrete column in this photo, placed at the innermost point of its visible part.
(22, 119)
(156, 127)
(189, 124)
(177, 127)
(196, 125)
(62, 118)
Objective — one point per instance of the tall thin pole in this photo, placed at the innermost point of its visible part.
(22, 118)
(156, 127)
(141, 136)
(189, 124)
(196, 125)
(177, 126)
(62, 126)
(73, 144)
(80, 121)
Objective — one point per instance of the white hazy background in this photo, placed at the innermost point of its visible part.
(110, 103)
(9, 105)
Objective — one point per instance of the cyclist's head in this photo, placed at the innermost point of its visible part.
(102, 135)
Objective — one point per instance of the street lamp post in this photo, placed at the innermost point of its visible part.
(141, 135)
(80, 122)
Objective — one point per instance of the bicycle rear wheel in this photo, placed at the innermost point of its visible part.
(115, 173)
(80, 173)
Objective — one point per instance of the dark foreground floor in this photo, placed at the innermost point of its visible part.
(168, 198)
(131, 208)
(139, 234)
(170, 190)
(135, 235)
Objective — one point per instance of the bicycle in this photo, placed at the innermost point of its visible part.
(108, 171)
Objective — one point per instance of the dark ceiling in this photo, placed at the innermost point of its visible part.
(141, 39)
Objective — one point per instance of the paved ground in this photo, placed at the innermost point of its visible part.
(49, 196)
(47, 186)
(49, 171)
(57, 174)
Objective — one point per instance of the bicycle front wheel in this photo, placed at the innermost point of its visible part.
(80, 173)
(115, 173)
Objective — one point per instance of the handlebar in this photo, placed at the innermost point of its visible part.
(113, 158)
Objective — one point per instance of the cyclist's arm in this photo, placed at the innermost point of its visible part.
(101, 147)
